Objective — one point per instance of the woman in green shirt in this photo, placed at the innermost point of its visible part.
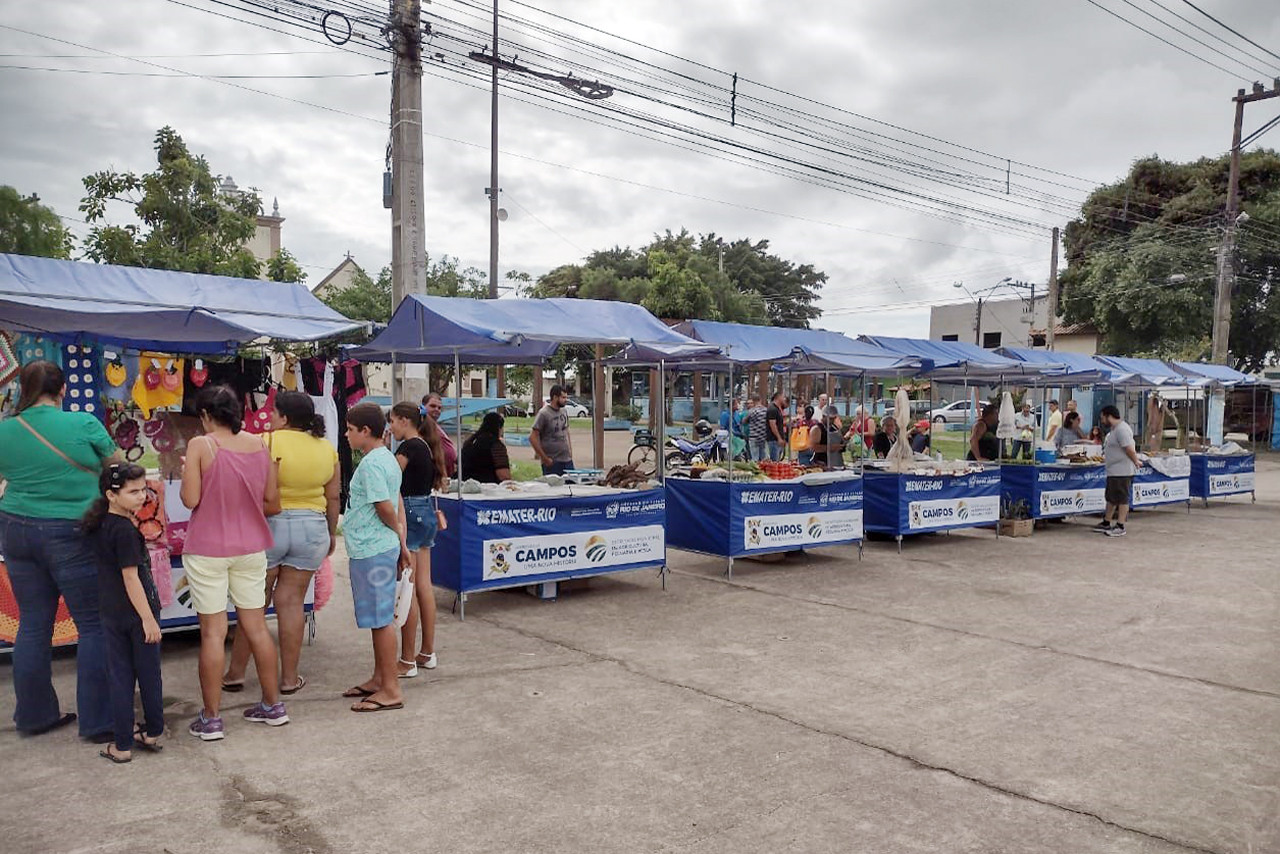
(51, 463)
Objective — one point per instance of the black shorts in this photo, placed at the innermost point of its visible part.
(1119, 490)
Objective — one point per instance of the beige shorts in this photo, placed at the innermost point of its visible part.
(212, 580)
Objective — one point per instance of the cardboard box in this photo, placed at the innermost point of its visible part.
(1017, 527)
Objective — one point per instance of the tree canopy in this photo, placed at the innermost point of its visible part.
(1141, 259)
(678, 276)
(29, 228)
(184, 222)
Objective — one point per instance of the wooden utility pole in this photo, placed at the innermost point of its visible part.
(408, 232)
(1052, 320)
(1226, 249)
(494, 215)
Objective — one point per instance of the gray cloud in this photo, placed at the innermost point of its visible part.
(1055, 84)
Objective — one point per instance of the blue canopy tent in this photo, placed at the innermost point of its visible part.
(514, 331)
(955, 361)
(1149, 372)
(1076, 368)
(1216, 374)
(157, 309)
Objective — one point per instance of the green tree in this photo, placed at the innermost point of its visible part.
(364, 299)
(186, 222)
(283, 267)
(1141, 259)
(29, 228)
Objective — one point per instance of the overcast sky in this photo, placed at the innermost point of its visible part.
(1056, 84)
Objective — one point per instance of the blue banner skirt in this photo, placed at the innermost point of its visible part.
(1217, 476)
(905, 504)
(1151, 489)
(498, 542)
(1055, 490)
(735, 519)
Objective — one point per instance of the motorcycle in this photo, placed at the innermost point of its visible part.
(709, 446)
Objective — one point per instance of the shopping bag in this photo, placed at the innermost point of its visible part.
(799, 438)
(404, 597)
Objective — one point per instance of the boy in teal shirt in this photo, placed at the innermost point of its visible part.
(373, 529)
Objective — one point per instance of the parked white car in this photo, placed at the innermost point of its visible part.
(957, 413)
(574, 409)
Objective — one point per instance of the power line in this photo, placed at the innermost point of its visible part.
(1160, 38)
(1187, 35)
(1208, 33)
(110, 73)
(1231, 30)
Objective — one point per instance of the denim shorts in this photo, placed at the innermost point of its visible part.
(421, 523)
(300, 539)
(373, 588)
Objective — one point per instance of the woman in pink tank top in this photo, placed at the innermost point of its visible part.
(229, 482)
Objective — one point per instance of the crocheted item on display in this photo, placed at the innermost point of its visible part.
(259, 420)
(64, 628)
(159, 382)
(83, 373)
(9, 366)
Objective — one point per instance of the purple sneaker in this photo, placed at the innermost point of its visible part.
(269, 715)
(207, 729)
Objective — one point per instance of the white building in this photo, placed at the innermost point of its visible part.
(992, 323)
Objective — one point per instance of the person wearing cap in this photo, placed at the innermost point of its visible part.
(825, 441)
(1025, 423)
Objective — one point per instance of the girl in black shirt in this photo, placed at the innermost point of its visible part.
(130, 609)
(422, 461)
(484, 456)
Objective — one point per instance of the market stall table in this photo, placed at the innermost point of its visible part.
(741, 519)
(1055, 489)
(903, 503)
(1163, 480)
(533, 537)
(1220, 475)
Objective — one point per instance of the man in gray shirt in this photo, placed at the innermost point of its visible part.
(1120, 454)
(549, 435)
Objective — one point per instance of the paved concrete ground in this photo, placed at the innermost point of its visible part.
(1064, 694)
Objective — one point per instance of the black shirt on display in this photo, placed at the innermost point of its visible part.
(119, 545)
(420, 467)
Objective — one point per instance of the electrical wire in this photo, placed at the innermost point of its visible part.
(1231, 30)
(109, 73)
(1160, 38)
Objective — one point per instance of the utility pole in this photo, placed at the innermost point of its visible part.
(1226, 250)
(493, 189)
(408, 234)
(1052, 322)
(977, 329)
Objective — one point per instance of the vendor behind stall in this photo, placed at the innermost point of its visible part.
(484, 456)
(825, 440)
(885, 436)
(983, 444)
(1070, 433)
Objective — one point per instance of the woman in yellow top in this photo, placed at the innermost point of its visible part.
(303, 532)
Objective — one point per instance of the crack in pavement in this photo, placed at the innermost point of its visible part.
(840, 606)
(273, 816)
(879, 748)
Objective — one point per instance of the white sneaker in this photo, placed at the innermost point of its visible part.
(429, 664)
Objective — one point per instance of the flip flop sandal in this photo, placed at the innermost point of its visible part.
(140, 741)
(301, 683)
(357, 691)
(233, 687)
(119, 760)
(375, 706)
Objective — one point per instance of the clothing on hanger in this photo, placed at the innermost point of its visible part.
(242, 376)
(353, 381)
(32, 348)
(326, 407)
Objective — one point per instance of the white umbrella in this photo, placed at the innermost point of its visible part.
(1006, 429)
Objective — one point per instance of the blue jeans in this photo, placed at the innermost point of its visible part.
(45, 558)
(558, 467)
(759, 452)
(775, 449)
